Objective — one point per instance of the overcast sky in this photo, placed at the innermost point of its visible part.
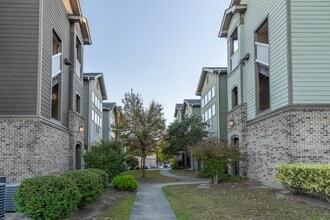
(155, 47)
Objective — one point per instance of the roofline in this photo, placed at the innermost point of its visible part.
(100, 77)
(105, 108)
(78, 17)
(235, 7)
(205, 70)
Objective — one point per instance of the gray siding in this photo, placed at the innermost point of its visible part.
(86, 108)
(105, 123)
(55, 18)
(310, 31)
(19, 31)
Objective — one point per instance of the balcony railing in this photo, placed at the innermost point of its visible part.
(56, 64)
(234, 60)
(78, 68)
(262, 53)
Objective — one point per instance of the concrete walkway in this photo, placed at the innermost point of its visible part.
(151, 202)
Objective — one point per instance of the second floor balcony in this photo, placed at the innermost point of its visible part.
(56, 64)
(234, 60)
(262, 53)
(78, 68)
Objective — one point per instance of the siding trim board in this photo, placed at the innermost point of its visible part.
(289, 50)
(40, 48)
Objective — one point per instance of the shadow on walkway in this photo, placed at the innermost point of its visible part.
(151, 202)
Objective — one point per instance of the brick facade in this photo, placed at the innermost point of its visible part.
(293, 134)
(31, 147)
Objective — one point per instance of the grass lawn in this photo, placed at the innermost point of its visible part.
(236, 201)
(152, 176)
(120, 209)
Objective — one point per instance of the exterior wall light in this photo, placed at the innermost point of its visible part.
(81, 128)
(231, 123)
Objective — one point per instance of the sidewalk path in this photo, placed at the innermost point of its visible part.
(151, 202)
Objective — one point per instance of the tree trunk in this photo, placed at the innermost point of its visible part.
(216, 178)
(143, 163)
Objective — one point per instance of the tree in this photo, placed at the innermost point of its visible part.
(108, 156)
(216, 155)
(181, 135)
(143, 127)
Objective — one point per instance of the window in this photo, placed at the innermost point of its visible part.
(262, 70)
(234, 97)
(56, 44)
(78, 103)
(55, 102)
(213, 110)
(234, 61)
(213, 91)
(78, 57)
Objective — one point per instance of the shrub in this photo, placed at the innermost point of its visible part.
(302, 176)
(47, 197)
(104, 177)
(137, 168)
(89, 184)
(132, 162)
(215, 156)
(125, 182)
(107, 156)
(177, 165)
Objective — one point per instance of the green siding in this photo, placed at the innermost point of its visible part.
(223, 106)
(256, 13)
(310, 51)
(234, 81)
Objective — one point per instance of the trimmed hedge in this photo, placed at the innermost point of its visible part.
(125, 182)
(47, 197)
(305, 177)
(89, 184)
(104, 176)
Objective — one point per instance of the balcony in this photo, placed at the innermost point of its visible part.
(234, 60)
(78, 68)
(262, 53)
(56, 64)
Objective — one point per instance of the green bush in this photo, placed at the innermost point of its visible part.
(177, 165)
(305, 177)
(125, 182)
(104, 176)
(132, 162)
(47, 197)
(89, 185)
(137, 168)
(107, 156)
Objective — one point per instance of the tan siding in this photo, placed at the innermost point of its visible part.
(19, 23)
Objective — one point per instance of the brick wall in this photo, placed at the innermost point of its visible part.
(295, 134)
(32, 147)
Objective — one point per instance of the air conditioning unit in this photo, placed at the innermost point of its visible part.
(9, 197)
(2, 200)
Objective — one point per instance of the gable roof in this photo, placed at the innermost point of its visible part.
(178, 107)
(109, 105)
(75, 14)
(205, 71)
(192, 102)
(100, 78)
(235, 7)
